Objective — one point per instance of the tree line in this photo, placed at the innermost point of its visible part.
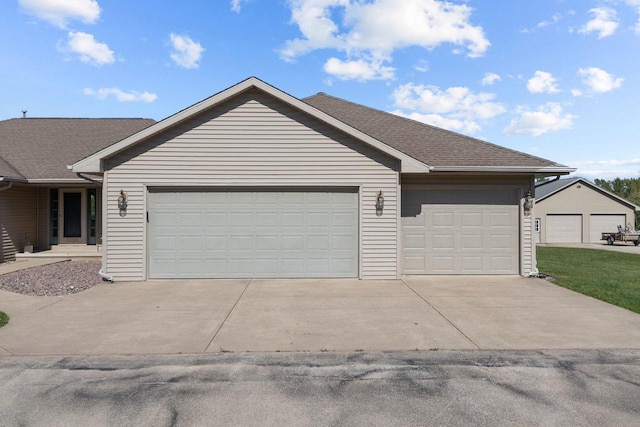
(627, 188)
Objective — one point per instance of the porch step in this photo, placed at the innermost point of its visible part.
(66, 251)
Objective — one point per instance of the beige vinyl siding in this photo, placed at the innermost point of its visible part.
(579, 199)
(17, 219)
(252, 140)
(528, 255)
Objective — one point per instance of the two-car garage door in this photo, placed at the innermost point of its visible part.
(195, 233)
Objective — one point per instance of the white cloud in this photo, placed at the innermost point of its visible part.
(457, 125)
(120, 95)
(186, 53)
(88, 49)
(456, 108)
(490, 78)
(236, 5)
(60, 12)
(422, 66)
(545, 118)
(636, 4)
(554, 20)
(576, 92)
(604, 22)
(542, 82)
(360, 70)
(599, 80)
(607, 169)
(371, 31)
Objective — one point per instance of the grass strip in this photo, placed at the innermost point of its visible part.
(4, 319)
(609, 276)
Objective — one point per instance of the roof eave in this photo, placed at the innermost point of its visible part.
(95, 163)
(547, 170)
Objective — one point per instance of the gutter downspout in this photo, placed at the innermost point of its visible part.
(5, 184)
(106, 277)
(86, 178)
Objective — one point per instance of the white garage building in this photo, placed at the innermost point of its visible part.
(575, 210)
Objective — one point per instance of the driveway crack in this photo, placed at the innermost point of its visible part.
(441, 314)
(217, 331)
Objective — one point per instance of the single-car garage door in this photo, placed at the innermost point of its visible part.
(460, 231)
(252, 233)
(564, 229)
(604, 223)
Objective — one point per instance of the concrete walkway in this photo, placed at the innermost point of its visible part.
(24, 263)
(197, 316)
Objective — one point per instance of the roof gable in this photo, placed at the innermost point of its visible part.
(443, 150)
(41, 148)
(94, 163)
(548, 189)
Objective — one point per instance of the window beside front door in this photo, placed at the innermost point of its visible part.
(91, 216)
(53, 216)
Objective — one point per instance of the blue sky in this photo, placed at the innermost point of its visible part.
(554, 78)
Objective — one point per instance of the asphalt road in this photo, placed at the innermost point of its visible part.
(480, 388)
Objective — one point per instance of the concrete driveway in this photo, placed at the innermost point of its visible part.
(197, 316)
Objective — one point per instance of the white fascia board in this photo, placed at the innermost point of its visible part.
(506, 169)
(57, 181)
(95, 164)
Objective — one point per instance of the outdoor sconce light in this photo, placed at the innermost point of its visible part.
(379, 203)
(122, 203)
(528, 203)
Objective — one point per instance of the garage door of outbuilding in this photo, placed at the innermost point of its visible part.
(564, 229)
(604, 223)
(252, 233)
(460, 231)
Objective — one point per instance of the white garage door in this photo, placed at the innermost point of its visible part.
(564, 229)
(604, 223)
(252, 233)
(460, 231)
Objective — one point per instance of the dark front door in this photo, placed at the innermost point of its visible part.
(72, 217)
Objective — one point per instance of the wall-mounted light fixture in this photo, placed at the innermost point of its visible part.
(379, 203)
(528, 203)
(122, 203)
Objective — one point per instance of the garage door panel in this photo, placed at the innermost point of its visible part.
(564, 229)
(472, 219)
(604, 223)
(472, 264)
(458, 237)
(258, 233)
(472, 241)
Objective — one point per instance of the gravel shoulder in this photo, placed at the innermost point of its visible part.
(62, 278)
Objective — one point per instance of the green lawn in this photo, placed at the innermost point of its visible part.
(4, 319)
(610, 276)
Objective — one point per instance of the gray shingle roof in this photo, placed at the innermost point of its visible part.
(546, 188)
(431, 145)
(41, 148)
(8, 171)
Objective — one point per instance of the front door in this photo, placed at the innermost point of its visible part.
(72, 216)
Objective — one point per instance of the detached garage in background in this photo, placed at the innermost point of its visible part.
(255, 183)
(575, 210)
